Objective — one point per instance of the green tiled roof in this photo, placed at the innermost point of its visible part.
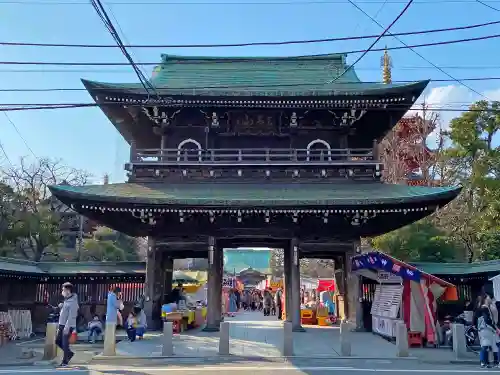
(259, 76)
(492, 266)
(253, 194)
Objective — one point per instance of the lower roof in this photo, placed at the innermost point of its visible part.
(240, 194)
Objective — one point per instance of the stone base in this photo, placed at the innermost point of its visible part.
(298, 329)
(210, 329)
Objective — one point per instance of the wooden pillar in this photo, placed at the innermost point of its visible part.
(133, 151)
(168, 268)
(354, 308)
(287, 282)
(214, 287)
(293, 248)
(149, 284)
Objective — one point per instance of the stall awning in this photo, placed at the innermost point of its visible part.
(380, 261)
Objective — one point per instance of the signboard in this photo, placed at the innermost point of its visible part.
(228, 282)
(276, 284)
(384, 326)
(385, 277)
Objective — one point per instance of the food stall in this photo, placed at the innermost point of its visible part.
(404, 293)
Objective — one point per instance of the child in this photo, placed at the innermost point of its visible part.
(95, 328)
(132, 326)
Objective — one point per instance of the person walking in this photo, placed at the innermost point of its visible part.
(67, 321)
(488, 332)
(233, 307)
(278, 301)
(267, 301)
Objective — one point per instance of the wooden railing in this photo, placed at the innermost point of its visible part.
(250, 156)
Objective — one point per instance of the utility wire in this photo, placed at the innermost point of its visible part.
(211, 60)
(19, 134)
(212, 70)
(420, 55)
(101, 12)
(373, 44)
(5, 154)
(248, 44)
(138, 89)
(488, 5)
(197, 3)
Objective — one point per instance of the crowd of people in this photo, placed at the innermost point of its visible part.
(256, 300)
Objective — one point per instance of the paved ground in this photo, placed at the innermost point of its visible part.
(305, 366)
(252, 334)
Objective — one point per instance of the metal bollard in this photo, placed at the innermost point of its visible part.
(167, 348)
(459, 344)
(50, 348)
(401, 340)
(287, 339)
(345, 340)
(224, 338)
(110, 339)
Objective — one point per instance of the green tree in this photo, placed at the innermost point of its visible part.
(419, 242)
(473, 161)
(102, 251)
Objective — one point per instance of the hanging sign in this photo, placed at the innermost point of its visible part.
(385, 277)
(382, 262)
(384, 326)
(228, 282)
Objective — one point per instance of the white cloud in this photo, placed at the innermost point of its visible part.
(452, 96)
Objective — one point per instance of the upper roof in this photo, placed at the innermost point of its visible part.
(257, 76)
(229, 194)
(490, 267)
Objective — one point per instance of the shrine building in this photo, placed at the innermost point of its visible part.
(254, 152)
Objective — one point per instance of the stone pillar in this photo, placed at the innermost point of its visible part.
(168, 268)
(149, 284)
(50, 348)
(110, 339)
(214, 287)
(287, 283)
(219, 257)
(295, 286)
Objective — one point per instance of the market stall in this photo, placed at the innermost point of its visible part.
(404, 293)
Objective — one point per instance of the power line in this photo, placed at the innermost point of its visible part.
(386, 30)
(210, 60)
(247, 44)
(5, 154)
(420, 55)
(488, 5)
(101, 12)
(273, 3)
(208, 69)
(138, 89)
(19, 134)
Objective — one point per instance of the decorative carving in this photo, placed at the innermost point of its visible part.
(163, 119)
(215, 120)
(348, 118)
(293, 120)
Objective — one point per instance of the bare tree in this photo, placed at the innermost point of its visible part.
(36, 226)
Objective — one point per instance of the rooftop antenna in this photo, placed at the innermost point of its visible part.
(386, 65)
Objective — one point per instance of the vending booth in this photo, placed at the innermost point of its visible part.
(404, 293)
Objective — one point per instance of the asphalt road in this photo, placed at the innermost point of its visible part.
(261, 368)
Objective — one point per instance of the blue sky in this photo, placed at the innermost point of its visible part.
(84, 138)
